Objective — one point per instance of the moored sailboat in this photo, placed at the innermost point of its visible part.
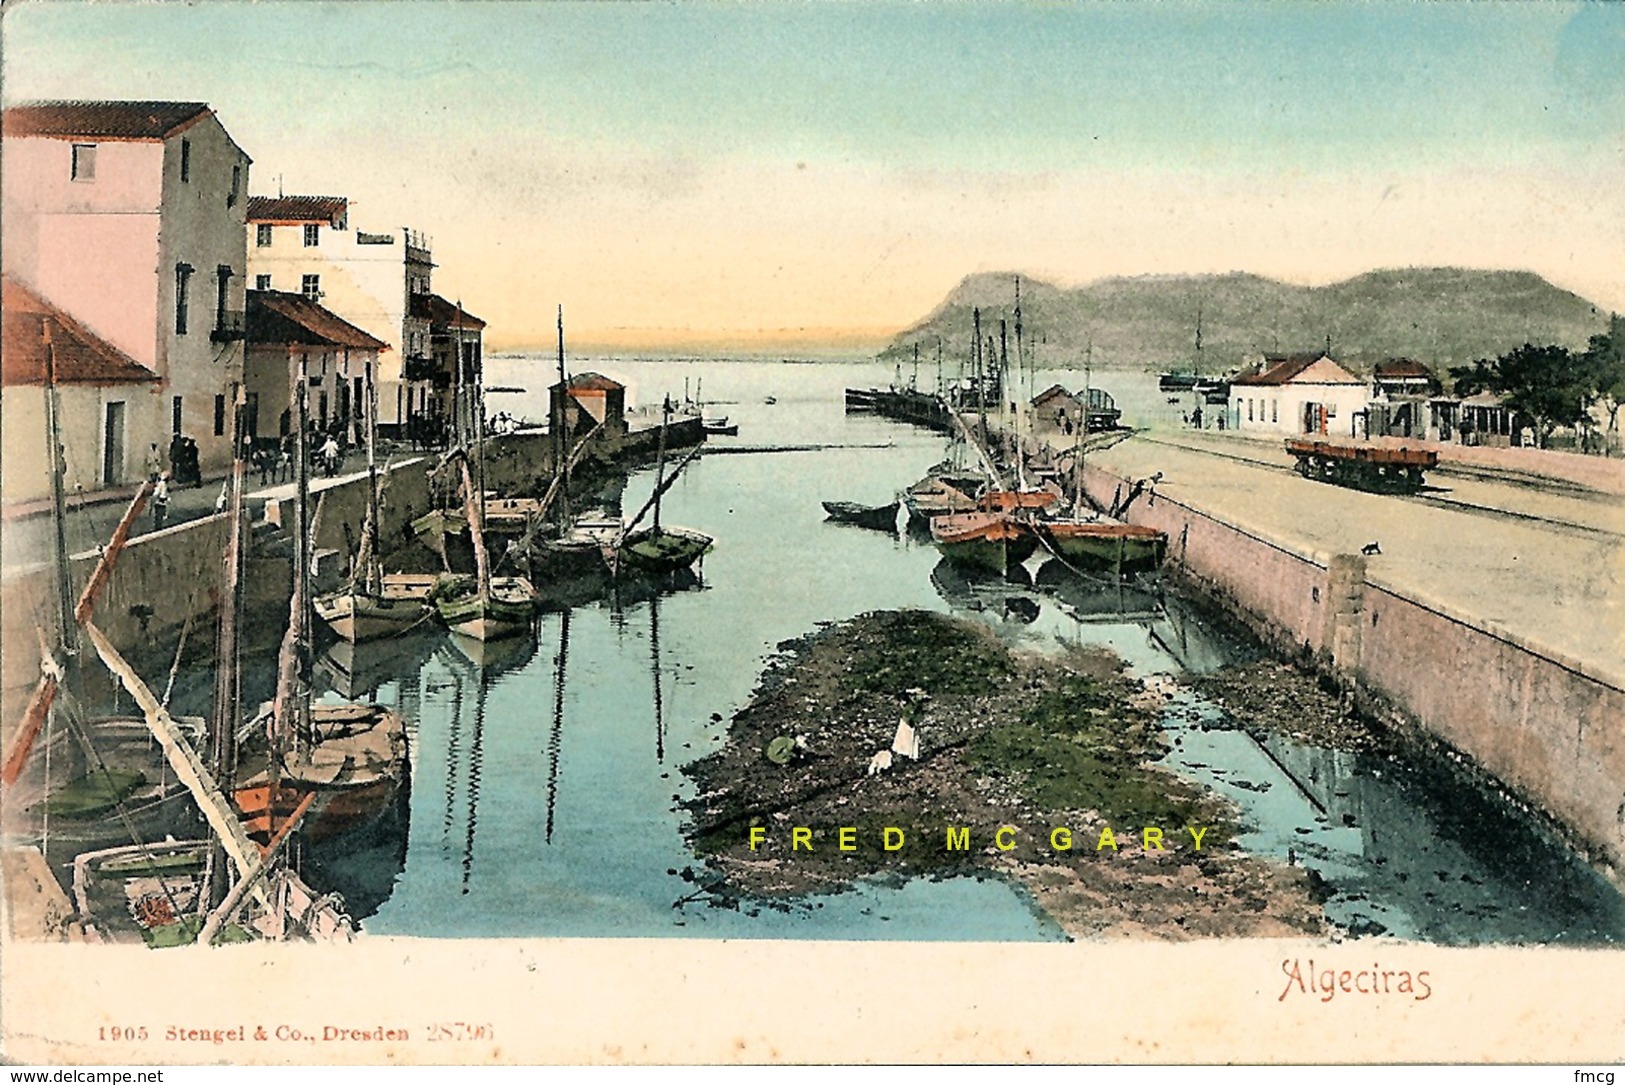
(659, 549)
(338, 766)
(372, 605)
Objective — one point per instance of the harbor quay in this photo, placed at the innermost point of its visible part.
(167, 580)
(1484, 612)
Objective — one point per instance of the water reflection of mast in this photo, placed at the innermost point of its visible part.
(556, 734)
(474, 776)
(654, 658)
(453, 755)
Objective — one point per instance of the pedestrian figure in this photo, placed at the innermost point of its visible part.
(285, 459)
(155, 462)
(330, 456)
(160, 502)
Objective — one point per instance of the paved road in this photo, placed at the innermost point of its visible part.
(1505, 560)
(27, 541)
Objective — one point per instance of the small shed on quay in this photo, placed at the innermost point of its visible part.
(583, 401)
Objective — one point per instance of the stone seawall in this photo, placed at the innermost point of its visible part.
(165, 579)
(1544, 726)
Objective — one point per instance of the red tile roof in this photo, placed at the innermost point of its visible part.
(593, 382)
(1284, 368)
(1402, 368)
(104, 120)
(78, 355)
(292, 209)
(1050, 393)
(279, 318)
(437, 310)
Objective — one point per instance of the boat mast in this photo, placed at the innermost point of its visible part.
(981, 384)
(1009, 425)
(374, 568)
(477, 410)
(1021, 357)
(227, 685)
(563, 440)
(67, 626)
(1083, 430)
(1198, 339)
(289, 715)
(660, 463)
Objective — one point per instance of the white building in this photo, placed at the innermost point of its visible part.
(1299, 393)
(286, 332)
(305, 245)
(128, 216)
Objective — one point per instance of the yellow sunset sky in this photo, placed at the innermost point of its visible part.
(793, 176)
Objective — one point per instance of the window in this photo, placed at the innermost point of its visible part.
(311, 286)
(186, 161)
(262, 235)
(183, 278)
(236, 186)
(219, 415)
(222, 274)
(1275, 410)
(175, 415)
(1249, 410)
(313, 235)
(262, 282)
(84, 161)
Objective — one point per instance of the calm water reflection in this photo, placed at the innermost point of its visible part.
(546, 773)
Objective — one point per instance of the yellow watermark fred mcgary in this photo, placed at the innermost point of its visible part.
(1004, 838)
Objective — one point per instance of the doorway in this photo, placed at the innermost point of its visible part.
(113, 446)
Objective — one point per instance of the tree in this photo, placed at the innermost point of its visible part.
(1605, 357)
(1551, 385)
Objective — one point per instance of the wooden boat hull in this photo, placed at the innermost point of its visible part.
(554, 559)
(358, 616)
(505, 612)
(983, 540)
(877, 517)
(359, 761)
(1106, 544)
(655, 552)
(934, 497)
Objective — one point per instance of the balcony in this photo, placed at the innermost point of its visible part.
(229, 325)
(420, 367)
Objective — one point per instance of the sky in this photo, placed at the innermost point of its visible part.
(791, 175)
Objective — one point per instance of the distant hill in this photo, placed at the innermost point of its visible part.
(1439, 316)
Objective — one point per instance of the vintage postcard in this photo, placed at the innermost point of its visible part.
(813, 533)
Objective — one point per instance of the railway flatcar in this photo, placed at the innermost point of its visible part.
(1360, 465)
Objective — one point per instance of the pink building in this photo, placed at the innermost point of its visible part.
(129, 217)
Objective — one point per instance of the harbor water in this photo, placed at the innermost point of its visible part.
(546, 782)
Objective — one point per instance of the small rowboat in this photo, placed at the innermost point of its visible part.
(878, 517)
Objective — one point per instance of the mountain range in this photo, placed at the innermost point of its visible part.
(1438, 316)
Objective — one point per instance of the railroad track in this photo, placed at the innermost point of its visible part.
(1433, 499)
